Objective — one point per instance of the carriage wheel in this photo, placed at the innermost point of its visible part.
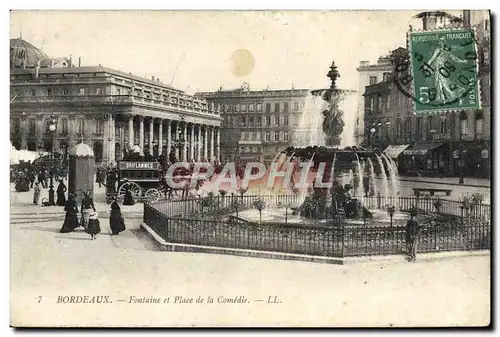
(152, 195)
(134, 188)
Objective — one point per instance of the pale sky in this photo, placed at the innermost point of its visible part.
(288, 46)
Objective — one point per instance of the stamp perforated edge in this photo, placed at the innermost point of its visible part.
(478, 79)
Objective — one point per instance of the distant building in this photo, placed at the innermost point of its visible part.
(368, 74)
(108, 109)
(257, 125)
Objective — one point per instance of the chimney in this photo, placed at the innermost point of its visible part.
(152, 78)
(157, 80)
(79, 61)
(52, 63)
(466, 18)
(37, 69)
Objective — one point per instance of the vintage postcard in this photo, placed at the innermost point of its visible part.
(250, 168)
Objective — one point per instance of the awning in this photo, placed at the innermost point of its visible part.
(394, 151)
(421, 149)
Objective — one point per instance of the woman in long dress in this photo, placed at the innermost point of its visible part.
(116, 221)
(61, 190)
(71, 220)
(128, 200)
(87, 208)
(94, 226)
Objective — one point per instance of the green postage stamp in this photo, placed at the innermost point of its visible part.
(444, 70)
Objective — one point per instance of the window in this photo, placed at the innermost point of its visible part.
(81, 126)
(285, 120)
(64, 126)
(379, 104)
(98, 91)
(17, 125)
(250, 107)
(243, 121)
(82, 91)
(277, 120)
(257, 136)
(236, 108)
(226, 107)
(285, 107)
(259, 107)
(285, 136)
(463, 127)
(99, 126)
(295, 106)
(33, 92)
(268, 136)
(419, 127)
(268, 107)
(65, 91)
(387, 77)
(251, 136)
(32, 126)
(276, 107)
(295, 120)
(387, 104)
(250, 120)
(268, 121)
(258, 121)
(49, 92)
(276, 137)
(373, 80)
(250, 149)
(118, 91)
(243, 107)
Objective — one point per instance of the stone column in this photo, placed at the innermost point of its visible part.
(71, 131)
(141, 135)
(106, 139)
(151, 135)
(176, 137)
(160, 136)
(112, 126)
(198, 157)
(191, 149)
(205, 143)
(169, 136)
(218, 144)
(211, 143)
(131, 132)
(184, 147)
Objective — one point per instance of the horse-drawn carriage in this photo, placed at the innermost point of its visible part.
(148, 181)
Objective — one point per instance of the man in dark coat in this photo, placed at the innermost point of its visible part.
(412, 233)
(61, 197)
(41, 178)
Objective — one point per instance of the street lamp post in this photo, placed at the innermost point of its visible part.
(52, 129)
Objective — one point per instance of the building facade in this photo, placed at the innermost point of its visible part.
(257, 125)
(448, 144)
(369, 74)
(109, 110)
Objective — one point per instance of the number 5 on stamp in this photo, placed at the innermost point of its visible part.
(444, 72)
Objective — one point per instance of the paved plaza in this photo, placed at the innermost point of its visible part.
(46, 264)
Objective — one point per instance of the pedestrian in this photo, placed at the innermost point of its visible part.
(71, 219)
(32, 177)
(36, 193)
(61, 190)
(41, 178)
(94, 226)
(46, 177)
(116, 221)
(87, 208)
(128, 200)
(412, 234)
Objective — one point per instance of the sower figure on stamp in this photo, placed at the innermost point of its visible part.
(412, 234)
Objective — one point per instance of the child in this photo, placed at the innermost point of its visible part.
(93, 227)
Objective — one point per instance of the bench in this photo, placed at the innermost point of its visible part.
(432, 191)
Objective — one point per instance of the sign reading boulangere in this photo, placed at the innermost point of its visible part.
(442, 72)
(138, 165)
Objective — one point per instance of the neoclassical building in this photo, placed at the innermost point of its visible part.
(109, 110)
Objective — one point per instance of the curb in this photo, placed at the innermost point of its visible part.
(442, 183)
(163, 245)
